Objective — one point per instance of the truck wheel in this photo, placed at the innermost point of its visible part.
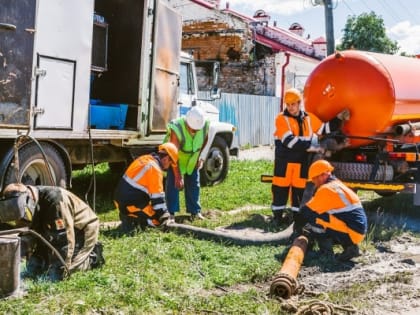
(33, 169)
(216, 165)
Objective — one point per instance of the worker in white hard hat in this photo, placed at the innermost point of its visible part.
(296, 140)
(189, 134)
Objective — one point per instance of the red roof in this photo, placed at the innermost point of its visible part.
(276, 46)
(319, 40)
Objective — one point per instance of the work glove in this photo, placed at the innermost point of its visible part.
(316, 149)
(344, 115)
(315, 146)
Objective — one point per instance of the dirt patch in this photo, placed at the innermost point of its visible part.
(385, 279)
(390, 275)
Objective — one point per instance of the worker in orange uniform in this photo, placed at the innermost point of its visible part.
(296, 137)
(140, 196)
(334, 213)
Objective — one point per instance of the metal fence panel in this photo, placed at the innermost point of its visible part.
(253, 116)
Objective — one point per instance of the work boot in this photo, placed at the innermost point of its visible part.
(325, 246)
(298, 223)
(282, 217)
(349, 253)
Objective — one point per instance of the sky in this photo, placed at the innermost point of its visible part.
(401, 17)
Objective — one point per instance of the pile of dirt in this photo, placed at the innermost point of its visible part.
(389, 278)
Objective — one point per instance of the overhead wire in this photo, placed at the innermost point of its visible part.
(348, 7)
(408, 11)
(392, 13)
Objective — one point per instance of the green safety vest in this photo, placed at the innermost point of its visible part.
(189, 146)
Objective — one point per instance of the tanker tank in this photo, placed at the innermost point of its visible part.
(381, 91)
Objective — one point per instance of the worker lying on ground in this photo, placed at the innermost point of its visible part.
(62, 219)
(334, 214)
(140, 196)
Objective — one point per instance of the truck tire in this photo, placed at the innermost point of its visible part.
(362, 171)
(33, 169)
(216, 165)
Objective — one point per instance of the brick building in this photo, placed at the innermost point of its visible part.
(251, 51)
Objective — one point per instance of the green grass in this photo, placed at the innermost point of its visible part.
(155, 272)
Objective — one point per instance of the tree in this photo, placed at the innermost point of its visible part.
(367, 32)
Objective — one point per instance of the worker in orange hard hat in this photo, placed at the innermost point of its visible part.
(296, 140)
(140, 196)
(334, 213)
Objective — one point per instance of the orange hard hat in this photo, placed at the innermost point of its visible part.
(319, 167)
(171, 150)
(292, 96)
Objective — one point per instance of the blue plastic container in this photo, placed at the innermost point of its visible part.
(108, 116)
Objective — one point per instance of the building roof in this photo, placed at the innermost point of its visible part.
(280, 39)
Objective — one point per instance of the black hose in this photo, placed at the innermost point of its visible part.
(278, 238)
(26, 230)
(44, 156)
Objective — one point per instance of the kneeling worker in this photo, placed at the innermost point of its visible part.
(140, 196)
(62, 219)
(335, 212)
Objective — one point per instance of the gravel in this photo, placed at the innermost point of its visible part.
(257, 153)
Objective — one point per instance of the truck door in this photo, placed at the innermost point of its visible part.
(17, 20)
(167, 32)
(63, 54)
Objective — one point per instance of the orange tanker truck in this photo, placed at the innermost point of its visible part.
(382, 137)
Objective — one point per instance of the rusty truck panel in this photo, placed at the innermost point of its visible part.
(17, 20)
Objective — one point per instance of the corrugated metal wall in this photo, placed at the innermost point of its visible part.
(253, 116)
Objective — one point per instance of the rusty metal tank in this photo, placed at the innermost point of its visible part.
(380, 91)
(9, 265)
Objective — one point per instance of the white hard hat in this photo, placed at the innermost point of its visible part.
(195, 118)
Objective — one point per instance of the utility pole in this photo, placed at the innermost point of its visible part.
(329, 23)
(329, 26)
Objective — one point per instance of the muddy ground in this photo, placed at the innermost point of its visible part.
(384, 280)
(388, 273)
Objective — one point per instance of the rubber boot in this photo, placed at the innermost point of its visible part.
(325, 246)
(277, 217)
(349, 252)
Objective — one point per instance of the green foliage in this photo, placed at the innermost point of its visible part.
(367, 32)
(154, 273)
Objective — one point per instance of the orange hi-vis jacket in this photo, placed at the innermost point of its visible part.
(296, 140)
(145, 174)
(336, 207)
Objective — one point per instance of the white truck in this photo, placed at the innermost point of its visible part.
(86, 81)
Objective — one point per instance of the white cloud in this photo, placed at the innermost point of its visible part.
(407, 36)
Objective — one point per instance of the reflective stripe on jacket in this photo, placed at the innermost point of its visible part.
(146, 175)
(190, 146)
(335, 206)
(293, 140)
